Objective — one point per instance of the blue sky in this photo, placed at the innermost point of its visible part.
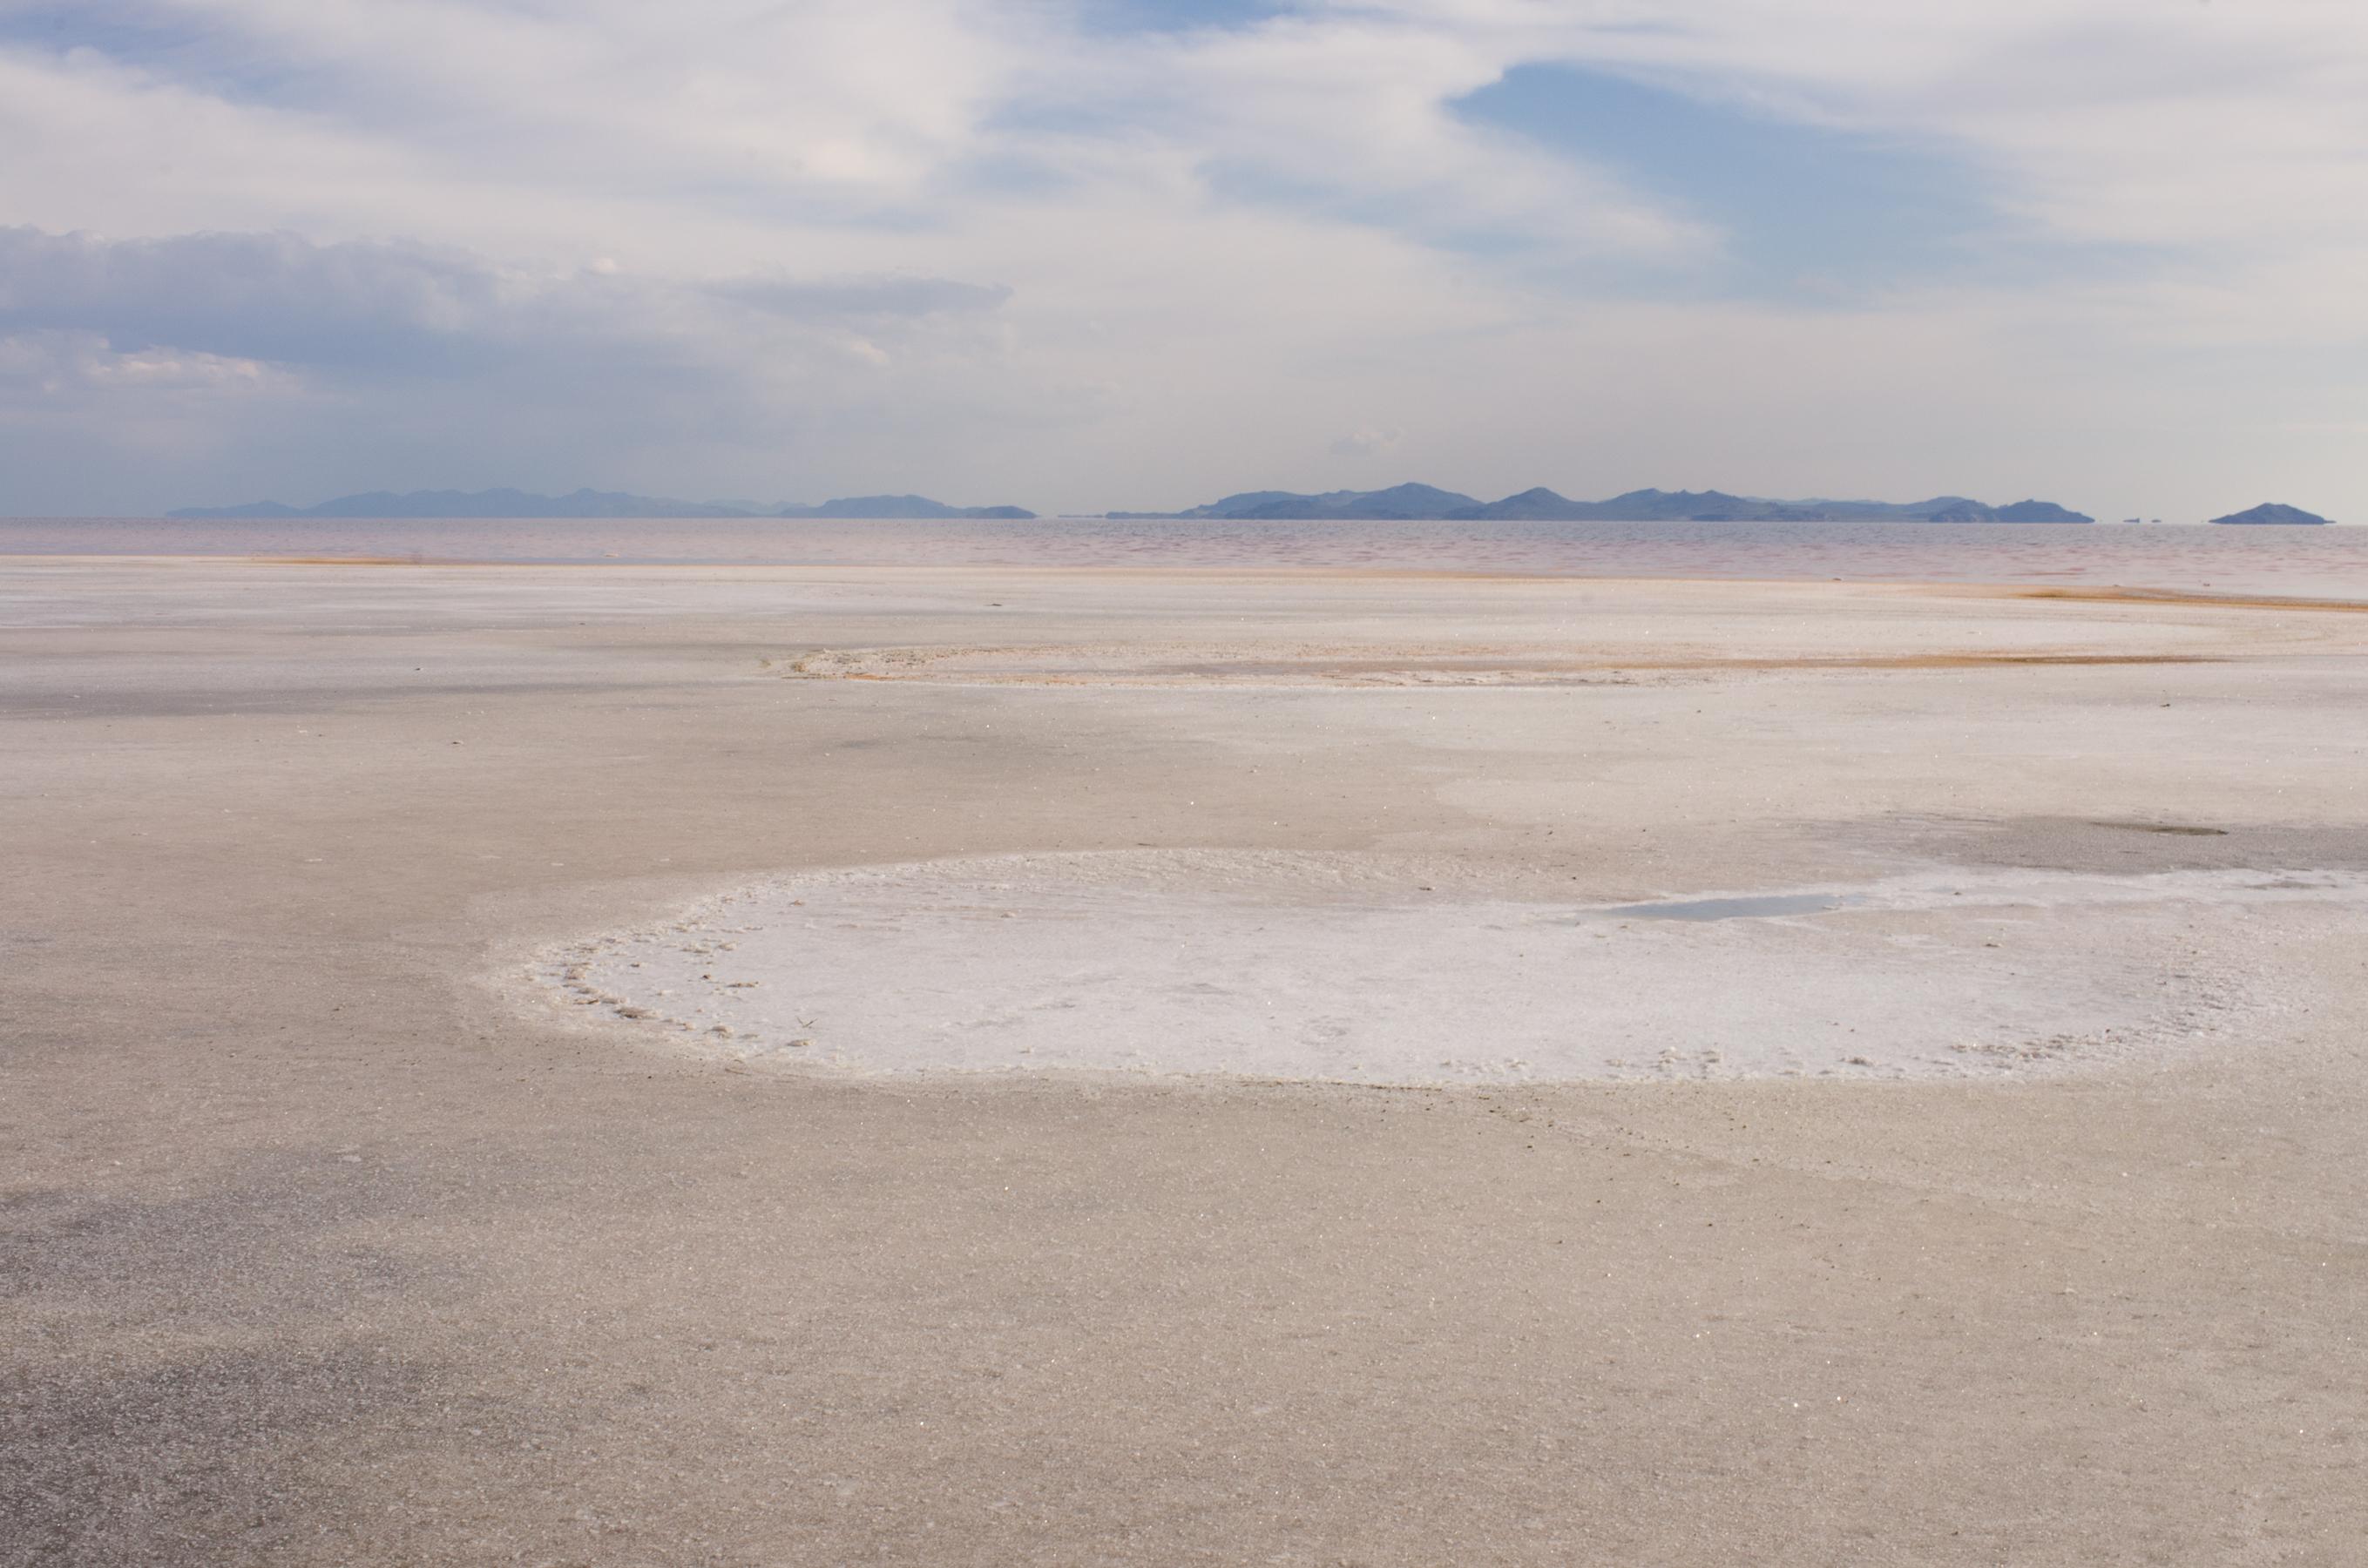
(1799, 208)
(1126, 253)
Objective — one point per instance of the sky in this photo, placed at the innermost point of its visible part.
(1079, 254)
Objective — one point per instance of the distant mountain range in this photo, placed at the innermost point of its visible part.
(591, 504)
(2271, 512)
(1398, 503)
(1408, 502)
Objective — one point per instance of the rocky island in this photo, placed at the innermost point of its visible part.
(2273, 512)
(1423, 502)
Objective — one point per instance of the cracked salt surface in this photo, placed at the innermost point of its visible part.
(1369, 970)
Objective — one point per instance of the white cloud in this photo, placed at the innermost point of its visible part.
(59, 370)
(1364, 443)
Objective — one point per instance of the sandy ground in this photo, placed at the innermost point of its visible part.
(332, 1235)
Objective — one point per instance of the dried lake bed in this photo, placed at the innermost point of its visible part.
(1303, 1065)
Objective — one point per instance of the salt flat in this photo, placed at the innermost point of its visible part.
(345, 1224)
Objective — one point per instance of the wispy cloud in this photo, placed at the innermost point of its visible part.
(371, 307)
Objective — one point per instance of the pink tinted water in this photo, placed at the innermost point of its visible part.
(2305, 562)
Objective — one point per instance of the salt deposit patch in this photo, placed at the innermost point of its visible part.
(1366, 969)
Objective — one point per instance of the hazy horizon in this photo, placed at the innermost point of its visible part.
(1138, 254)
(745, 508)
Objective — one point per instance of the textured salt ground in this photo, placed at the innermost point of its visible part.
(1365, 968)
(1599, 639)
(322, 1258)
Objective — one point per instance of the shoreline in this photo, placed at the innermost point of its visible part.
(2008, 588)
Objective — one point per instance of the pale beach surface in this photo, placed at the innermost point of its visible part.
(1060, 1064)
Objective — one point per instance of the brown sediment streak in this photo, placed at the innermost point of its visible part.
(2184, 596)
(1576, 666)
(1064, 667)
(1971, 661)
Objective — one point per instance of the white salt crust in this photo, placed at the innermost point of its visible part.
(1365, 969)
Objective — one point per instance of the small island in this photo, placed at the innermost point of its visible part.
(2270, 513)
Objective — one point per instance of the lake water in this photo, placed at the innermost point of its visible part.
(2307, 561)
